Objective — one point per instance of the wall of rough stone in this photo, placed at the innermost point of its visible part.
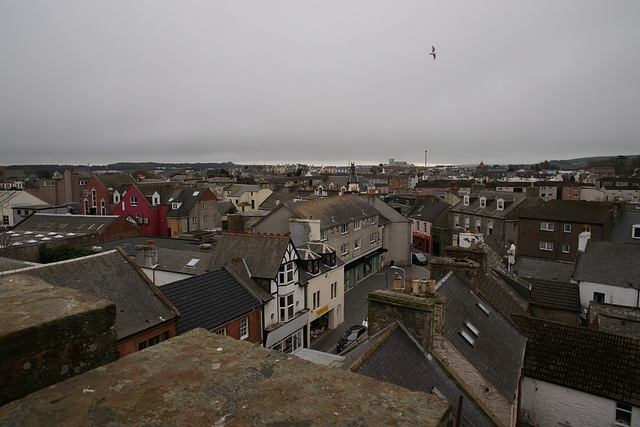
(421, 314)
(49, 334)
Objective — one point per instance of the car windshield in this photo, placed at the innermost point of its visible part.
(352, 336)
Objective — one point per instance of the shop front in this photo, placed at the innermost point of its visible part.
(360, 269)
(422, 242)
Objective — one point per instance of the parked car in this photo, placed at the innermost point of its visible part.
(351, 336)
(418, 258)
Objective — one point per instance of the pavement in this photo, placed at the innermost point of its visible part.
(355, 301)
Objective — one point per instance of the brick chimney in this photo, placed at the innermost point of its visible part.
(468, 269)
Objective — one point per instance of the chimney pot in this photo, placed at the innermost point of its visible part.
(397, 282)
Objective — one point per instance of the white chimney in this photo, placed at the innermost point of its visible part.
(583, 238)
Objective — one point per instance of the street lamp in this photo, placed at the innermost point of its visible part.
(403, 273)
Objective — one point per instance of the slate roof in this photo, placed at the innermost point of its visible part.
(114, 277)
(576, 211)
(210, 300)
(164, 189)
(621, 229)
(224, 206)
(177, 260)
(614, 319)
(394, 356)
(333, 211)
(591, 361)
(610, 263)
(498, 350)
(120, 183)
(530, 268)
(555, 295)
(263, 254)
(427, 211)
(8, 264)
(237, 190)
(513, 203)
(66, 223)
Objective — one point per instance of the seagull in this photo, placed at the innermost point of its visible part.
(433, 52)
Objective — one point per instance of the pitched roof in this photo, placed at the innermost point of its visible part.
(614, 319)
(610, 263)
(513, 203)
(394, 356)
(209, 300)
(114, 277)
(164, 190)
(622, 228)
(591, 361)
(121, 183)
(543, 269)
(427, 211)
(263, 254)
(555, 295)
(183, 261)
(498, 347)
(333, 211)
(580, 211)
(67, 223)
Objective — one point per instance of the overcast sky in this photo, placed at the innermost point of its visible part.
(318, 82)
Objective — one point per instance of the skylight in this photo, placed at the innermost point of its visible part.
(472, 328)
(193, 262)
(483, 308)
(468, 338)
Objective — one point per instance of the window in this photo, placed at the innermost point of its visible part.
(466, 223)
(316, 300)
(623, 414)
(357, 244)
(356, 224)
(222, 331)
(490, 228)
(116, 198)
(334, 290)
(466, 201)
(456, 220)
(103, 208)
(372, 238)
(483, 202)
(133, 200)
(344, 249)
(478, 224)
(204, 218)
(566, 248)
(5, 219)
(546, 226)
(204, 206)
(373, 220)
(94, 200)
(286, 307)
(567, 228)
(285, 275)
(344, 228)
(500, 204)
(598, 297)
(244, 328)
(635, 232)
(323, 234)
(194, 220)
(546, 246)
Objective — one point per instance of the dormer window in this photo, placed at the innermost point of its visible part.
(155, 199)
(500, 204)
(483, 202)
(313, 266)
(116, 197)
(465, 201)
(635, 231)
(329, 259)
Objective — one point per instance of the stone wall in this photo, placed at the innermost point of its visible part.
(421, 313)
(49, 334)
(467, 269)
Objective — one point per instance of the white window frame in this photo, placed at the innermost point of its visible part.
(344, 249)
(372, 238)
(465, 200)
(285, 308)
(545, 246)
(483, 202)
(323, 234)
(567, 228)
(357, 244)
(344, 228)
(500, 204)
(133, 201)
(357, 224)
(285, 274)
(244, 328)
(635, 231)
(546, 226)
(566, 248)
(222, 331)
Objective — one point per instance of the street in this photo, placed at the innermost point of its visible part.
(355, 301)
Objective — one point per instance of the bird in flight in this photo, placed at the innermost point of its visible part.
(433, 52)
